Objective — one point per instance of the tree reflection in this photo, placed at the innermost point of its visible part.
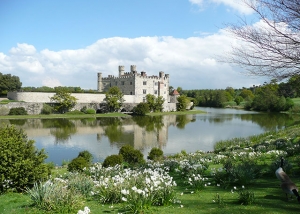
(19, 122)
(113, 130)
(182, 120)
(61, 129)
(150, 123)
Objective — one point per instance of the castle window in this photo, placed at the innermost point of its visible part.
(155, 91)
(116, 83)
(144, 91)
(156, 83)
(144, 99)
(123, 83)
(130, 83)
(131, 93)
(145, 83)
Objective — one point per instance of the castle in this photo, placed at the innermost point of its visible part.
(137, 84)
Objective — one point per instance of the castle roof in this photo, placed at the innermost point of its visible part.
(175, 92)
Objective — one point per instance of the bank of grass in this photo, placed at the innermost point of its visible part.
(75, 116)
(263, 149)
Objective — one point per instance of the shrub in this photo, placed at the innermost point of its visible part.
(47, 109)
(90, 111)
(113, 160)
(21, 163)
(77, 164)
(83, 109)
(155, 154)
(141, 109)
(131, 155)
(86, 155)
(246, 197)
(81, 183)
(17, 111)
(55, 197)
(74, 112)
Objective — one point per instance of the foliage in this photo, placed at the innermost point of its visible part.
(21, 163)
(183, 103)
(77, 164)
(55, 197)
(112, 160)
(131, 155)
(9, 82)
(63, 99)
(81, 183)
(86, 155)
(246, 197)
(114, 99)
(83, 109)
(238, 100)
(141, 109)
(155, 103)
(47, 109)
(90, 111)
(17, 111)
(74, 112)
(155, 154)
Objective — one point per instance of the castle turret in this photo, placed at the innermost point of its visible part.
(100, 84)
(121, 70)
(133, 68)
(161, 74)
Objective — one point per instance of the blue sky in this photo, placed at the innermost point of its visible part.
(55, 42)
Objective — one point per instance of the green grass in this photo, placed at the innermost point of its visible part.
(296, 101)
(39, 116)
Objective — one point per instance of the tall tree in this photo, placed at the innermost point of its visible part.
(65, 101)
(273, 46)
(9, 82)
(114, 99)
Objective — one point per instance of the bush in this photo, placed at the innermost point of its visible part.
(141, 109)
(17, 111)
(131, 155)
(83, 109)
(77, 164)
(90, 111)
(86, 155)
(75, 112)
(55, 197)
(113, 160)
(155, 154)
(47, 109)
(21, 163)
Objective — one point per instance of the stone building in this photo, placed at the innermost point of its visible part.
(137, 84)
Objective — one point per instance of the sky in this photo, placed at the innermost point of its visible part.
(67, 42)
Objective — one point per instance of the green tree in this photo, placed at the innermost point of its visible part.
(155, 103)
(183, 103)
(238, 100)
(21, 163)
(65, 101)
(9, 83)
(246, 93)
(114, 99)
(141, 109)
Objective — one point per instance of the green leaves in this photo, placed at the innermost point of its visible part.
(114, 99)
(20, 163)
(65, 101)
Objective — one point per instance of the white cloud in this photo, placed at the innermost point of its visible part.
(190, 62)
(237, 5)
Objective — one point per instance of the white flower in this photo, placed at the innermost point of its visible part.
(124, 199)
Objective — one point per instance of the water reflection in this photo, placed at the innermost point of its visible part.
(64, 138)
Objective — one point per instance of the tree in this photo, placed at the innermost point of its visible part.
(21, 163)
(114, 99)
(141, 109)
(9, 83)
(183, 103)
(65, 101)
(273, 46)
(155, 103)
(238, 100)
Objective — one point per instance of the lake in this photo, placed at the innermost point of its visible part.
(63, 139)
